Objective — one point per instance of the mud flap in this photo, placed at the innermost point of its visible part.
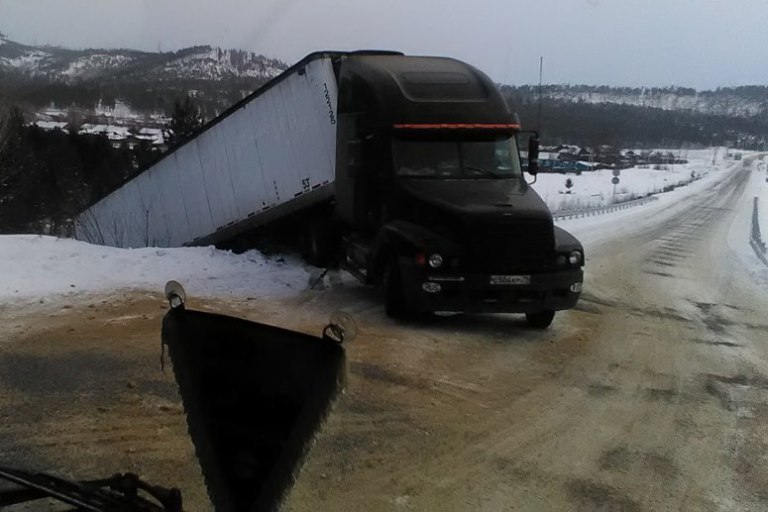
(254, 396)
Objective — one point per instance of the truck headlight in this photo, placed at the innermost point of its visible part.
(435, 261)
(575, 258)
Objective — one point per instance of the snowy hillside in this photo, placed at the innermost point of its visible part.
(742, 101)
(72, 66)
(724, 102)
(215, 63)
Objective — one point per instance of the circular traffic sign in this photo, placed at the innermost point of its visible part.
(615, 180)
(616, 172)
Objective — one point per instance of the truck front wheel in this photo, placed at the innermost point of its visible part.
(540, 319)
(394, 302)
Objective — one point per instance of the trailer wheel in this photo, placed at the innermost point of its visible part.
(318, 243)
(540, 320)
(394, 302)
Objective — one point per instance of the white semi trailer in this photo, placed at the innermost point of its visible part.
(269, 155)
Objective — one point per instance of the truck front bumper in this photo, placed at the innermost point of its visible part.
(426, 291)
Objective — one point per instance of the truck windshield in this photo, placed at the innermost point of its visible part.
(495, 157)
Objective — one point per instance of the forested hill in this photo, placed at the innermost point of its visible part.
(43, 76)
(645, 117)
(743, 101)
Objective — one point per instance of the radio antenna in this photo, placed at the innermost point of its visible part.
(541, 69)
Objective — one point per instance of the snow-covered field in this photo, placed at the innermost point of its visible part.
(39, 267)
(594, 188)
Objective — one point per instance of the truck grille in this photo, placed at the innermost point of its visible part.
(511, 248)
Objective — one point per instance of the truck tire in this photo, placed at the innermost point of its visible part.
(540, 319)
(394, 302)
(318, 243)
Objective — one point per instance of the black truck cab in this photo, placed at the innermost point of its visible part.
(433, 198)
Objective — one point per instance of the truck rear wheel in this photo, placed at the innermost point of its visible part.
(318, 243)
(394, 302)
(540, 319)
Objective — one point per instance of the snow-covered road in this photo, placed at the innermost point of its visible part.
(651, 395)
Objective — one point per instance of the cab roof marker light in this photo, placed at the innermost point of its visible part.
(456, 126)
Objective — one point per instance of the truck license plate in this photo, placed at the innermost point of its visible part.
(510, 279)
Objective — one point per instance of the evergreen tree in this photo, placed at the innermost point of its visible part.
(186, 119)
(47, 177)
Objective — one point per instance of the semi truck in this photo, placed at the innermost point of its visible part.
(403, 170)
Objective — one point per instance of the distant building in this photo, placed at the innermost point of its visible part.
(572, 153)
(118, 134)
(52, 125)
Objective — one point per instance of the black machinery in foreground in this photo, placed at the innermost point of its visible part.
(254, 395)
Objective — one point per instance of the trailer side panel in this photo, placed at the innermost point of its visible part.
(272, 150)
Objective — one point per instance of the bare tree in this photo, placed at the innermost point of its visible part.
(88, 228)
(116, 229)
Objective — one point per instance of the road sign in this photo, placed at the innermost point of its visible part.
(616, 172)
(615, 180)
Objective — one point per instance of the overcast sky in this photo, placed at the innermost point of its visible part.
(695, 43)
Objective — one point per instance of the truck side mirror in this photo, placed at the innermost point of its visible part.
(533, 155)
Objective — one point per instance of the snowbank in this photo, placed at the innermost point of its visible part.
(38, 266)
(759, 189)
(739, 232)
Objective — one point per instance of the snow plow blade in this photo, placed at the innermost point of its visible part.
(254, 396)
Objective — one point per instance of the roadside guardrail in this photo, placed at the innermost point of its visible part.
(589, 212)
(755, 237)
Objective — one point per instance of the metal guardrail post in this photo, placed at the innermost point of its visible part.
(588, 212)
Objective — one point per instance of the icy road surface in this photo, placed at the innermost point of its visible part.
(651, 395)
